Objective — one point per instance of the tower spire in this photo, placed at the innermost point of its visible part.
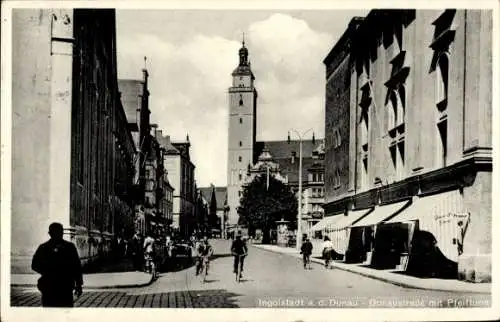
(243, 53)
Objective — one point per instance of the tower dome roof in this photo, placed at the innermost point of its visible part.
(244, 64)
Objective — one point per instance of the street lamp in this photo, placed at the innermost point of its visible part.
(299, 211)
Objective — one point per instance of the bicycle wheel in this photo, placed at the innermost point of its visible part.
(153, 269)
(205, 272)
(238, 274)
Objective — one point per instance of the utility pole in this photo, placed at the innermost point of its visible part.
(299, 210)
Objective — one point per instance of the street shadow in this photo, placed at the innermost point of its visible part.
(216, 256)
(211, 281)
(246, 280)
(109, 265)
(177, 264)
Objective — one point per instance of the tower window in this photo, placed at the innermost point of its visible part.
(239, 158)
(240, 177)
(241, 120)
(241, 143)
(241, 100)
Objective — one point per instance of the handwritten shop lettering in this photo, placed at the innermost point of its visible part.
(449, 216)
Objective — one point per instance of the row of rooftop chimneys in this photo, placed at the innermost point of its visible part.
(158, 135)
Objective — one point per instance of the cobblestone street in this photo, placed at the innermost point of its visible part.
(267, 282)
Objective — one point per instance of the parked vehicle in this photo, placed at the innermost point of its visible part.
(182, 247)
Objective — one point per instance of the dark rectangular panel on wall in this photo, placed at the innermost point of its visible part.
(337, 130)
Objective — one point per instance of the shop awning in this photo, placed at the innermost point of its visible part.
(330, 220)
(429, 205)
(380, 214)
(352, 216)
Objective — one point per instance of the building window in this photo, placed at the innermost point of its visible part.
(442, 81)
(396, 90)
(241, 120)
(336, 138)
(241, 100)
(396, 111)
(239, 193)
(442, 146)
(239, 158)
(444, 35)
(364, 167)
(398, 158)
(336, 181)
(241, 143)
(366, 101)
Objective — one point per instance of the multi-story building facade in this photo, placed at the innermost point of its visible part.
(314, 190)
(181, 174)
(242, 132)
(135, 100)
(66, 159)
(202, 214)
(286, 155)
(218, 202)
(408, 141)
(165, 191)
(123, 174)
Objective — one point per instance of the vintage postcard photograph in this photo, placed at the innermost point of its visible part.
(334, 162)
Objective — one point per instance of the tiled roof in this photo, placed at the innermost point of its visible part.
(282, 154)
(283, 149)
(170, 149)
(287, 168)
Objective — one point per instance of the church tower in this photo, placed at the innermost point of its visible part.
(242, 128)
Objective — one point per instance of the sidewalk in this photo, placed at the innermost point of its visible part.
(390, 276)
(93, 281)
(111, 275)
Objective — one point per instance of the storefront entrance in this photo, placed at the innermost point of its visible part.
(361, 242)
(391, 245)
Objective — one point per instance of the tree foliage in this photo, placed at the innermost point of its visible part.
(260, 208)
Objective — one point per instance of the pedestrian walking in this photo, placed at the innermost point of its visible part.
(306, 251)
(59, 265)
(327, 251)
(149, 252)
(136, 251)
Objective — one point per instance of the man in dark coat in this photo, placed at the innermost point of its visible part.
(306, 251)
(238, 250)
(58, 262)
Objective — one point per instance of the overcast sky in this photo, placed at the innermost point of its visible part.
(190, 57)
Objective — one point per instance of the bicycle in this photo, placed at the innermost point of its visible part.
(150, 265)
(328, 258)
(238, 272)
(307, 261)
(204, 268)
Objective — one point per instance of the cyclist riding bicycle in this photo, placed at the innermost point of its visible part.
(205, 250)
(327, 251)
(238, 248)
